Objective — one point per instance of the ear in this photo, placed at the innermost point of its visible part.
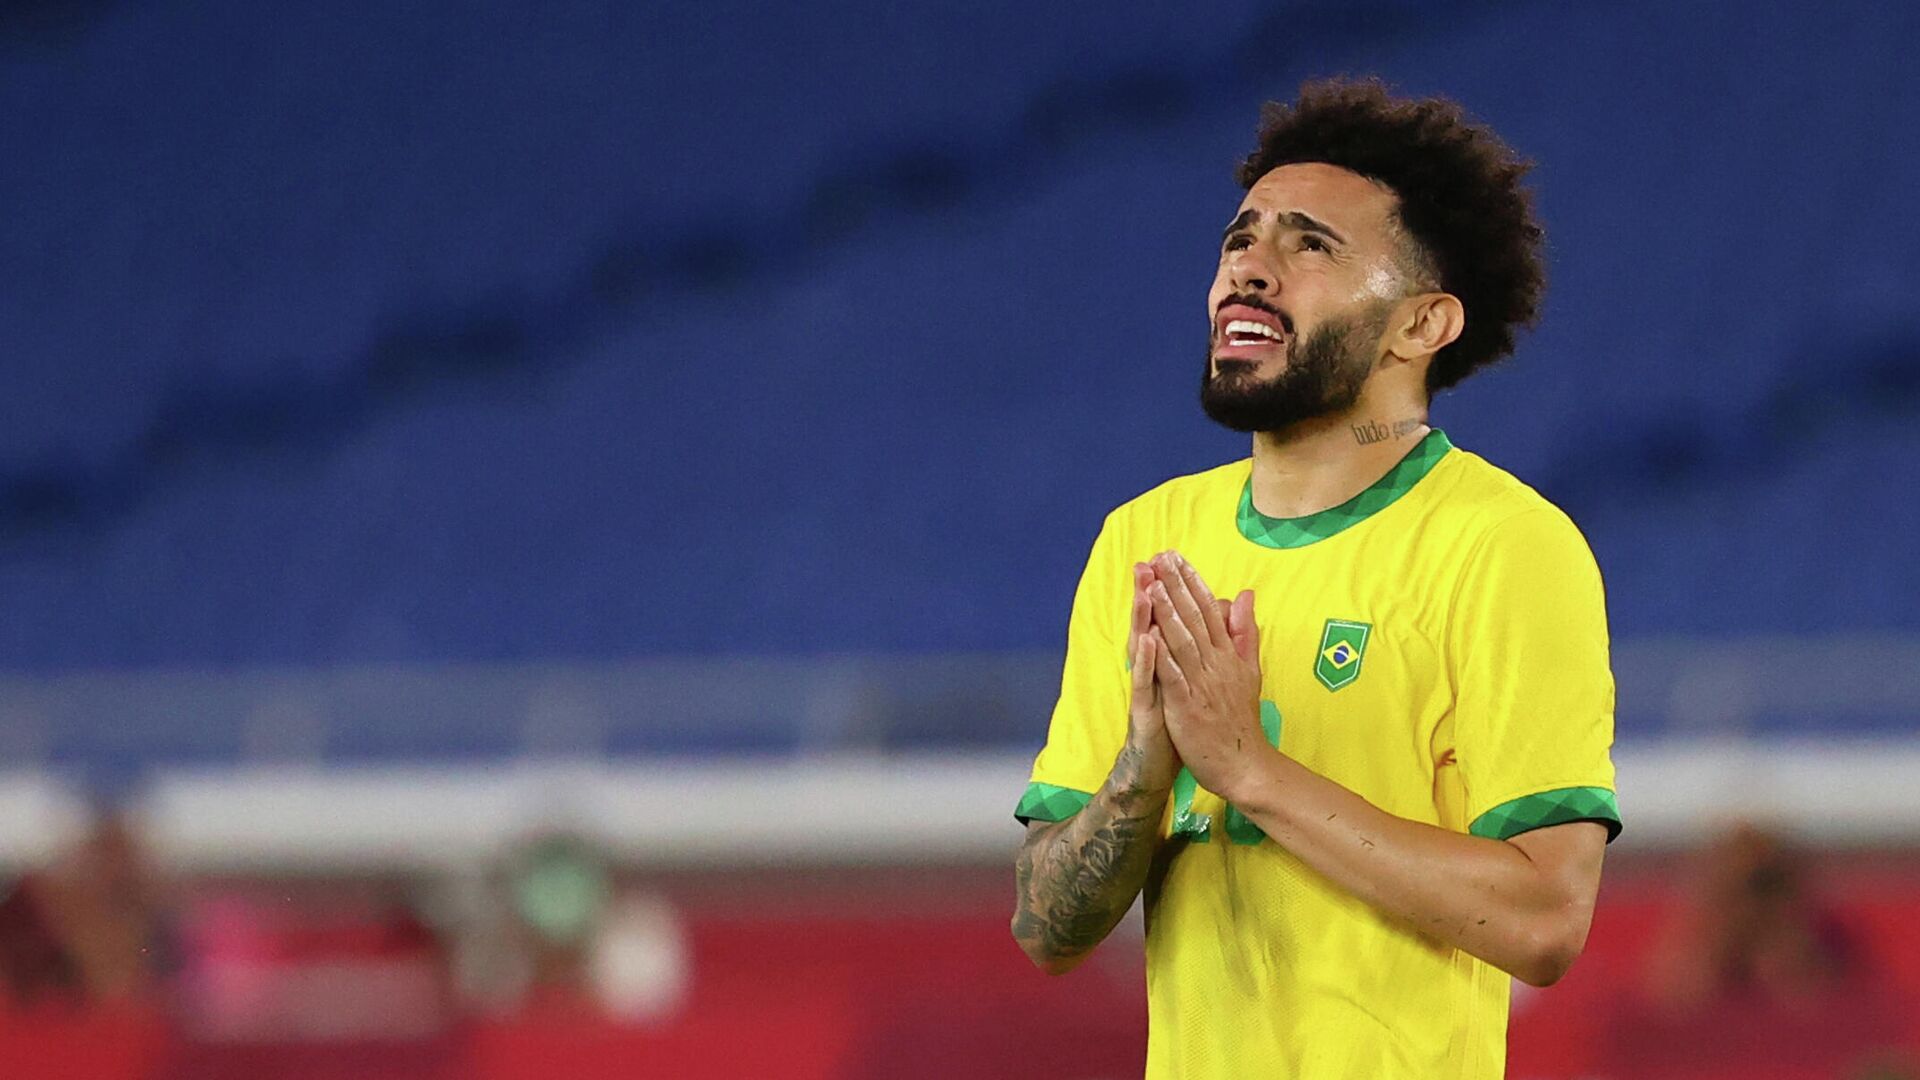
(1425, 324)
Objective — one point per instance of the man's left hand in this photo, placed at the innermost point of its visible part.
(1207, 661)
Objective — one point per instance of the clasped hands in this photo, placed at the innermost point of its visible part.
(1195, 661)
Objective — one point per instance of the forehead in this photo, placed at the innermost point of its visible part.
(1344, 199)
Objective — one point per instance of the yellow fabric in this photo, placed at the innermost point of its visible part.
(1484, 678)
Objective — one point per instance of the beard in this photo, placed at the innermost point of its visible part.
(1323, 377)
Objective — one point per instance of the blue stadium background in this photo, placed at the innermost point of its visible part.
(489, 332)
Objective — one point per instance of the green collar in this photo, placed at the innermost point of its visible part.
(1299, 532)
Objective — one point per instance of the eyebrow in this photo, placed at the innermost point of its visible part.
(1293, 219)
(1246, 218)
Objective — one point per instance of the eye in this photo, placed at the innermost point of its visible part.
(1313, 242)
(1237, 241)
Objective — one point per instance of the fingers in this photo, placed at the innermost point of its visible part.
(1142, 608)
(1175, 632)
(1195, 607)
(1143, 666)
(1203, 597)
(1165, 667)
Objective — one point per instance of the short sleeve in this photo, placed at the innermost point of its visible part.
(1090, 719)
(1527, 644)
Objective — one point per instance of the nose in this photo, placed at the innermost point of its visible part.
(1250, 273)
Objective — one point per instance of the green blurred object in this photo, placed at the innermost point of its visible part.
(560, 888)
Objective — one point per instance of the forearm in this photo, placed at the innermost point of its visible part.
(1485, 896)
(1076, 878)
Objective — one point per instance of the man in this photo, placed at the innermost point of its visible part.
(1375, 782)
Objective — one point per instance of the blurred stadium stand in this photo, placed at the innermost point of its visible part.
(487, 336)
(433, 428)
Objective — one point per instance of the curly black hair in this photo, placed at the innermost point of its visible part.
(1460, 201)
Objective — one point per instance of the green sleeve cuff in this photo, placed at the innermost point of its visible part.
(1557, 807)
(1050, 802)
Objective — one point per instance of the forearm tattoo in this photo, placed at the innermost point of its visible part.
(1077, 878)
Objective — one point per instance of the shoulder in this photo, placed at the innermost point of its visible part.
(1489, 505)
(1183, 495)
(1503, 531)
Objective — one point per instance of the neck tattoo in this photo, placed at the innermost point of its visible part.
(1374, 431)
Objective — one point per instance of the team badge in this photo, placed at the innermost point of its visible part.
(1342, 646)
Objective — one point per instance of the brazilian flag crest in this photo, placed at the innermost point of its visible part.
(1342, 646)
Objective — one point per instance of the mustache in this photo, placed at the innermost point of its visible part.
(1258, 303)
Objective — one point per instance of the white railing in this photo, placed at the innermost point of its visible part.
(843, 809)
(859, 774)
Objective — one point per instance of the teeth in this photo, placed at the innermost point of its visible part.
(1248, 327)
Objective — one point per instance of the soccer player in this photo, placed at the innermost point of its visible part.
(1341, 712)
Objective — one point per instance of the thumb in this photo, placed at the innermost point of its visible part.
(1242, 628)
(1142, 608)
(1141, 668)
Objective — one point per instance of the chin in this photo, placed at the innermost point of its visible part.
(1244, 372)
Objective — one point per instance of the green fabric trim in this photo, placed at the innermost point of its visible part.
(1529, 812)
(1050, 802)
(1299, 532)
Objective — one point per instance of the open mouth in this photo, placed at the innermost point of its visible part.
(1243, 332)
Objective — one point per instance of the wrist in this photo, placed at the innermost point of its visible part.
(1144, 769)
(1249, 783)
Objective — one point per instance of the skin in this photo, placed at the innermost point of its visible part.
(1076, 878)
(1312, 275)
(1314, 242)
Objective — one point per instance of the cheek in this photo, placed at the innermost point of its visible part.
(1377, 285)
(1217, 292)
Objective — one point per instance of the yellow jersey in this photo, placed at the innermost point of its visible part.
(1438, 645)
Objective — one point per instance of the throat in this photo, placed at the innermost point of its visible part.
(1304, 472)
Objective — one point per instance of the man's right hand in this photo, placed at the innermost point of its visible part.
(1076, 877)
(1150, 746)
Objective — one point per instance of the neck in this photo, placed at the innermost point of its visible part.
(1319, 464)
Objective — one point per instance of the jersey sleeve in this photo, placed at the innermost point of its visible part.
(1090, 719)
(1534, 707)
